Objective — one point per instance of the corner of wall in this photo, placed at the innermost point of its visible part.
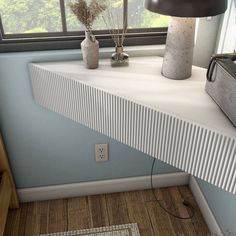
(206, 39)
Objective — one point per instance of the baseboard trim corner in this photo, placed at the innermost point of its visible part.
(101, 187)
(204, 207)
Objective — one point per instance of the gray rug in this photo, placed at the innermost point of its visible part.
(116, 230)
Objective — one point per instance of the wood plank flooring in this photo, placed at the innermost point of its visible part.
(110, 209)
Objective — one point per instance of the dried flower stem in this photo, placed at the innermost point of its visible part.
(113, 24)
(87, 14)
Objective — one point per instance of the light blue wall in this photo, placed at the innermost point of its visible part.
(223, 205)
(45, 148)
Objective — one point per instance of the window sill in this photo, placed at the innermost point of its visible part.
(133, 51)
(136, 51)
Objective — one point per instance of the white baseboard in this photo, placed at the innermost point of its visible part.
(101, 187)
(205, 209)
(123, 185)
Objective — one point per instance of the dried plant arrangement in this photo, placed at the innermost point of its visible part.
(87, 13)
(116, 23)
(117, 29)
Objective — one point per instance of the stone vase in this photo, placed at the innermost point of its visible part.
(90, 50)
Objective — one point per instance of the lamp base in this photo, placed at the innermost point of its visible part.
(178, 59)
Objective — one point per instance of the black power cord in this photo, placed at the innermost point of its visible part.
(184, 202)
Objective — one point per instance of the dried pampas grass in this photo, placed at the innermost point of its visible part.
(87, 13)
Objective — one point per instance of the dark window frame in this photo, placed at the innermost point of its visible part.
(72, 40)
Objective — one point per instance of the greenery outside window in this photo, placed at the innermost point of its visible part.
(49, 24)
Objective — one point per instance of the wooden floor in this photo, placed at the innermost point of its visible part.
(109, 209)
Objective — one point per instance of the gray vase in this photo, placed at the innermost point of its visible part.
(90, 50)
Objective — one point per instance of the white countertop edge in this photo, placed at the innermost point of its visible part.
(68, 76)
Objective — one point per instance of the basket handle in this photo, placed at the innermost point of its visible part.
(214, 59)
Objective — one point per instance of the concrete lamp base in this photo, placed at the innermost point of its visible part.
(177, 62)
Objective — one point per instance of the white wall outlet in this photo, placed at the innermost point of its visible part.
(101, 152)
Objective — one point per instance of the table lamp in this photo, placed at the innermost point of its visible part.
(178, 58)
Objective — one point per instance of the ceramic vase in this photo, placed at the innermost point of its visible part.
(90, 50)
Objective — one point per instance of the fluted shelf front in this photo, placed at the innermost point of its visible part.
(174, 121)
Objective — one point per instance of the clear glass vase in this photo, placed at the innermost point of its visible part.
(119, 58)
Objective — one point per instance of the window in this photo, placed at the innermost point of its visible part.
(227, 41)
(49, 24)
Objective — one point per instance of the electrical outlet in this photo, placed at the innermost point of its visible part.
(101, 152)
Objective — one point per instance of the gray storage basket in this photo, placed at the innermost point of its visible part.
(221, 84)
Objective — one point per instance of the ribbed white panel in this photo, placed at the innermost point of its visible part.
(188, 146)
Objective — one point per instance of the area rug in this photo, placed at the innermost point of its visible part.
(116, 230)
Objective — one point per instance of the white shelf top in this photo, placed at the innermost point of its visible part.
(143, 83)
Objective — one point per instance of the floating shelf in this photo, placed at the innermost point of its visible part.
(174, 121)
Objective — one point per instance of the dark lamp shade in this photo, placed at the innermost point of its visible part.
(187, 8)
